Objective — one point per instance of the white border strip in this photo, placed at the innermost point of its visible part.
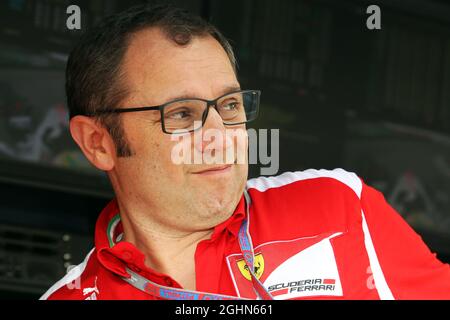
(68, 278)
(348, 178)
(380, 281)
(232, 274)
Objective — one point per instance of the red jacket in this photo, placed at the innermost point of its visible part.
(317, 234)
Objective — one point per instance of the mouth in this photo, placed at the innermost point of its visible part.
(214, 170)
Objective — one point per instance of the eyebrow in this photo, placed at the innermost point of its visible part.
(225, 90)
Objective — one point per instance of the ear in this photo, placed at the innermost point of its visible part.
(95, 142)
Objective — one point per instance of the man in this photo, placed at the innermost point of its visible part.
(193, 230)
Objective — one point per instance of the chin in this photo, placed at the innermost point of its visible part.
(218, 202)
(221, 202)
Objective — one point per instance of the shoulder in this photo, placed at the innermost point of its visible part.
(308, 181)
(70, 287)
(305, 203)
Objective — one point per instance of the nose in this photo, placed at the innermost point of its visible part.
(213, 133)
(213, 119)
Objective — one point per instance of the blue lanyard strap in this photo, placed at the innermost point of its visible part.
(245, 243)
(164, 292)
(169, 293)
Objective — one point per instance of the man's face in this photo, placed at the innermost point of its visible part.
(184, 196)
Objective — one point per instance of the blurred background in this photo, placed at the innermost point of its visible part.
(376, 102)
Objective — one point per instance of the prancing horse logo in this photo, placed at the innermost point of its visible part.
(258, 265)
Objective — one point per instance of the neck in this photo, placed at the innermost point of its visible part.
(166, 250)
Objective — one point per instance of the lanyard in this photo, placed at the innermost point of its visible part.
(245, 243)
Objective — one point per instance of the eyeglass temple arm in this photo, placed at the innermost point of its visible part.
(125, 110)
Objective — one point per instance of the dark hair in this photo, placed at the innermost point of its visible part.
(94, 79)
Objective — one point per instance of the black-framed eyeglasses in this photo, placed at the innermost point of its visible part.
(187, 115)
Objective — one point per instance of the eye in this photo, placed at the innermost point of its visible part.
(230, 106)
(178, 114)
